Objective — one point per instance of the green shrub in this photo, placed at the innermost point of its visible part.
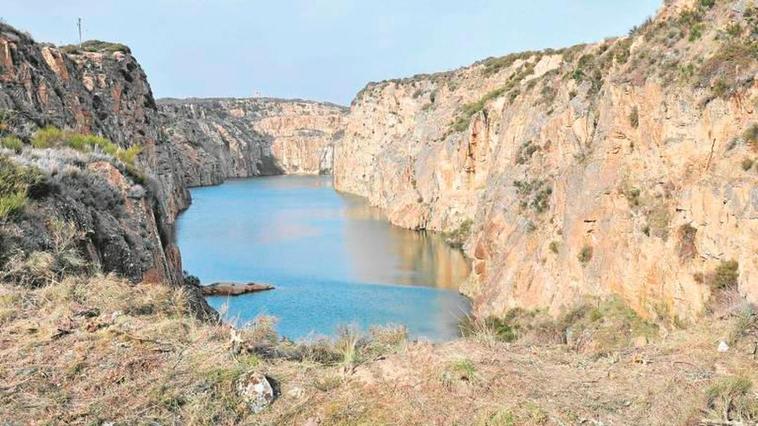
(52, 137)
(129, 155)
(747, 164)
(12, 143)
(534, 194)
(525, 152)
(458, 237)
(48, 137)
(707, 4)
(696, 32)
(725, 276)
(463, 120)
(12, 204)
(554, 246)
(585, 255)
(15, 181)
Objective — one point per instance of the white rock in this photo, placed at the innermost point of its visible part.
(723, 347)
(256, 391)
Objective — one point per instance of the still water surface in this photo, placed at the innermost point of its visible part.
(333, 259)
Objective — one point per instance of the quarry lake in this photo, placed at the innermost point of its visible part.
(333, 259)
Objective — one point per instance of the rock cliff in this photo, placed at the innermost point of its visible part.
(223, 138)
(97, 89)
(621, 167)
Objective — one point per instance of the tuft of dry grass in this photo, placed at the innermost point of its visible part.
(732, 400)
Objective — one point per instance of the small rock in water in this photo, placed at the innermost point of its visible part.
(723, 347)
(256, 391)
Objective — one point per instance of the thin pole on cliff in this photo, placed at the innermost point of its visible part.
(79, 25)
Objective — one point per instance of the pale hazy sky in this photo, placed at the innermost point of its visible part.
(318, 49)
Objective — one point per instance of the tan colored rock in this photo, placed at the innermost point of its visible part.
(549, 158)
(223, 138)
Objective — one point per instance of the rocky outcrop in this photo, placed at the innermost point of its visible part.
(233, 289)
(100, 89)
(622, 167)
(224, 138)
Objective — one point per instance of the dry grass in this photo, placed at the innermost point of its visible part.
(91, 350)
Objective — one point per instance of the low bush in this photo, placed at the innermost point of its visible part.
(491, 329)
(732, 401)
(40, 268)
(585, 255)
(463, 120)
(747, 164)
(12, 142)
(15, 181)
(725, 276)
(96, 46)
(534, 194)
(52, 137)
(554, 247)
(459, 236)
(525, 152)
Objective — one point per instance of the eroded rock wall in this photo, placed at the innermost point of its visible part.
(622, 167)
(224, 138)
(100, 90)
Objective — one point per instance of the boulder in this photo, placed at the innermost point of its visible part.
(256, 391)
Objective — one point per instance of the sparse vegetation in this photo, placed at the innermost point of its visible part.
(490, 329)
(40, 268)
(15, 182)
(96, 46)
(535, 194)
(469, 110)
(587, 69)
(747, 164)
(726, 275)
(525, 152)
(12, 142)
(732, 401)
(461, 370)
(633, 196)
(634, 117)
(459, 236)
(554, 247)
(585, 255)
(52, 137)
(729, 69)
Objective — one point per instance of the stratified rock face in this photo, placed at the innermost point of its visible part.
(223, 138)
(103, 91)
(615, 168)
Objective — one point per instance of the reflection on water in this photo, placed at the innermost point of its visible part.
(333, 259)
(415, 258)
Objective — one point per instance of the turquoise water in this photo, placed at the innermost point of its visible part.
(333, 259)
